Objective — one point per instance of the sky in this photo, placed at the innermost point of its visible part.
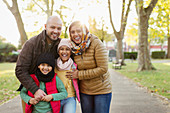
(9, 30)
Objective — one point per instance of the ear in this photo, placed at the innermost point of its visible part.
(39, 66)
(45, 25)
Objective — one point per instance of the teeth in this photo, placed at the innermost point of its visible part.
(64, 55)
(77, 38)
(45, 70)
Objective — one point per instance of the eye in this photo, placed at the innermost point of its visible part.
(67, 49)
(48, 65)
(61, 48)
(59, 28)
(43, 64)
(53, 27)
(72, 32)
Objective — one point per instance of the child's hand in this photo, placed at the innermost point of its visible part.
(33, 101)
(39, 94)
(47, 98)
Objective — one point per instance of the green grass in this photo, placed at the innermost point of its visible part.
(8, 82)
(157, 81)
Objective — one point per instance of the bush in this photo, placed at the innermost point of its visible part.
(7, 51)
(2, 58)
(10, 57)
(158, 54)
(130, 55)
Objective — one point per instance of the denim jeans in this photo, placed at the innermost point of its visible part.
(68, 105)
(95, 103)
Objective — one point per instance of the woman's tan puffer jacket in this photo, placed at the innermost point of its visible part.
(93, 69)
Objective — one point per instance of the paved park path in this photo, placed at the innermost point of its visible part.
(127, 98)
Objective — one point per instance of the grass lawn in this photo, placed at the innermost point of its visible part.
(157, 81)
(8, 82)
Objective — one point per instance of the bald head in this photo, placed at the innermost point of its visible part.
(53, 27)
(54, 18)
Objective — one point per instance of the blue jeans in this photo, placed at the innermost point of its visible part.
(95, 103)
(68, 105)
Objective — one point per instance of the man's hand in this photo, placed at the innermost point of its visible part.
(39, 94)
(33, 101)
(47, 98)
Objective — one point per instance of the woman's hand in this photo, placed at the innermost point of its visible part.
(72, 74)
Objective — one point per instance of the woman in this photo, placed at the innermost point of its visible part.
(65, 63)
(90, 55)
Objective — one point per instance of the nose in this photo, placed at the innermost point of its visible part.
(55, 30)
(76, 33)
(45, 67)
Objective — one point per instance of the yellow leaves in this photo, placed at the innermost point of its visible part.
(6, 94)
(156, 90)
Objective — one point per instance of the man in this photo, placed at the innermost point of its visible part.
(46, 41)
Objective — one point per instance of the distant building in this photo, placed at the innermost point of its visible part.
(111, 45)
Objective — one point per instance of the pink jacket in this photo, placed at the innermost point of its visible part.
(75, 84)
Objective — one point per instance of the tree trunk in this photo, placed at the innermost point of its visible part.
(15, 11)
(144, 61)
(168, 49)
(23, 35)
(168, 35)
(119, 52)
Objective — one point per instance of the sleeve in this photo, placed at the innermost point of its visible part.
(62, 93)
(24, 95)
(101, 59)
(23, 65)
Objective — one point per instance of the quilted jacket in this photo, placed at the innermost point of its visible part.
(93, 69)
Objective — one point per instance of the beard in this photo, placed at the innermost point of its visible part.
(50, 37)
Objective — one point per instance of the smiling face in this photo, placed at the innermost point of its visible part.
(45, 68)
(64, 53)
(76, 34)
(53, 28)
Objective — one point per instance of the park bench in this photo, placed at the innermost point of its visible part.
(117, 65)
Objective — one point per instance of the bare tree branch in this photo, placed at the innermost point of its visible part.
(48, 10)
(139, 6)
(126, 15)
(39, 5)
(136, 7)
(15, 11)
(151, 6)
(7, 4)
(123, 10)
(115, 32)
(52, 5)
